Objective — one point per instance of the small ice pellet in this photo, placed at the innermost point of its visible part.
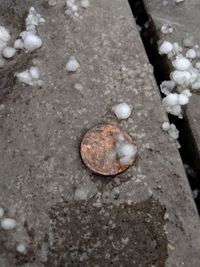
(4, 35)
(1, 212)
(181, 63)
(25, 77)
(166, 126)
(188, 42)
(18, 44)
(72, 64)
(122, 111)
(171, 99)
(21, 248)
(35, 73)
(181, 77)
(178, 1)
(166, 29)
(126, 152)
(173, 132)
(9, 52)
(165, 48)
(196, 85)
(187, 92)
(191, 53)
(85, 3)
(183, 99)
(31, 41)
(8, 224)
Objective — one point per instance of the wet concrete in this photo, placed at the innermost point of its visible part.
(45, 186)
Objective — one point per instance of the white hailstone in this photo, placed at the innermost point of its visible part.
(183, 99)
(171, 99)
(166, 126)
(166, 29)
(173, 132)
(181, 77)
(85, 3)
(122, 111)
(4, 35)
(52, 2)
(167, 86)
(188, 41)
(8, 224)
(18, 44)
(33, 20)
(165, 48)
(194, 75)
(177, 49)
(178, 1)
(191, 53)
(25, 77)
(72, 64)
(197, 65)
(31, 41)
(21, 248)
(9, 52)
(186, 92)
(126, 153)
(1, 212)
(196, 85)
(176, 111)
(35, 73)
(181, 63)
(2, 62)
(74, 8)
(70, 3)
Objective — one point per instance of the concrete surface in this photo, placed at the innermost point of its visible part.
(185, 19)
(144, 217)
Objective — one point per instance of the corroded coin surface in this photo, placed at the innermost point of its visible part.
(98, 149)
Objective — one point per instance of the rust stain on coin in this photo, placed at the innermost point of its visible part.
(98, 146)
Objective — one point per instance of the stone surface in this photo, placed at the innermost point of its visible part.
(66, 215)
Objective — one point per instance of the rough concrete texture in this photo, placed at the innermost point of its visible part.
(68, 216)
(184, 17)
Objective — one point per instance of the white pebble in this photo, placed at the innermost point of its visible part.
(72, 64)
(8, 52)
(1, 212)
(181, 63)
(191, 53)
(21, 248)
(8, 224)
(31, 41)
(165, 48)
(18, 44)
(122, 111)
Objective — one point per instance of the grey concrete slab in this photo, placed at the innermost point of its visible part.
(143, 217)
(184, 17)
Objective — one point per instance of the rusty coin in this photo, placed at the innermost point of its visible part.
(98, 148)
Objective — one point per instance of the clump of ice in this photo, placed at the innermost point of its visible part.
(171, 129)
(165, 48)
(122, 111)
(173, 102)
(72, 64)
(191, 53)
(167, 29)
(29, 38)
(9, 52)
(21, 248)
(181, 63)
(71, 8)
(29, 77)
(1, 212)
(124, 152)
(8, 224)
(167, 87)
